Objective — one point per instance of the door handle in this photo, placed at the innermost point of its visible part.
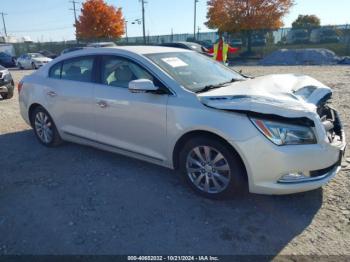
(51, 93)
(102, 104)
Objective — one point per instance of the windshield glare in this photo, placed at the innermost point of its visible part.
(194, 71)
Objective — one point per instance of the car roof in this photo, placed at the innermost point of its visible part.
(140, 50)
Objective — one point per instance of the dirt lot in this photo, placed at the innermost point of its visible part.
(78, 200)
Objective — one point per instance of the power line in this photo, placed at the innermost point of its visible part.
(40, 30)
(3, 21)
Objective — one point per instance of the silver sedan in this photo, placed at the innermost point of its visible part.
(223, 131)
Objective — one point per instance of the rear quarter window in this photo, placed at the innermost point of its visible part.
(55, 71)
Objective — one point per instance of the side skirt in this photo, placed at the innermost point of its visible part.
(106, 147)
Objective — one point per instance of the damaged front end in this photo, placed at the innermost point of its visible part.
(332, 124)
(287, 110)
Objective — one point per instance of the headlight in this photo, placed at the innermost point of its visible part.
(5, 74)
(285, 134)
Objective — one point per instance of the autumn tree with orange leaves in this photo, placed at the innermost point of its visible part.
(98, 20)
(246, 16)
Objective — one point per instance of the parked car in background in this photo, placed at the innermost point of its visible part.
(189, 46)
(297, 36)
(6, 83)
(102, 44)
(259, 40)
(32, 61)
(72, 49)
(8, 49)
(48, 54)
(324, 35)
(224, 132)
(236, 42)
(7, 60)
(206, 43)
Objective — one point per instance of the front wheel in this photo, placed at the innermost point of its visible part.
(212, 168)
(44, 128)
(34, 66)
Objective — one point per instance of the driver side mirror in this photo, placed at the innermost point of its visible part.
(141, 86)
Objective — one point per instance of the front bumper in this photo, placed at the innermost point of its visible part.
(6, 86)
(266, 163)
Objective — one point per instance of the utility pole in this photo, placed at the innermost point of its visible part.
(143, 21)
(3, 21)
(126, 31)
(75, 10)
(195, 18)
(75, 16)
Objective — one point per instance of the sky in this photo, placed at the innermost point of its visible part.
(52, 20)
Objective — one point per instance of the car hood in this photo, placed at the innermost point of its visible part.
(286, 95)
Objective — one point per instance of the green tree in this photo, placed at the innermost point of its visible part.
(308, 22)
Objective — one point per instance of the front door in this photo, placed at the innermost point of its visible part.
(133, 122)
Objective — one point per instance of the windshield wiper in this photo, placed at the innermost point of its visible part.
(210, 87)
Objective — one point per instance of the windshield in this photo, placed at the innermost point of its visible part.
(36, 55)
(194, 71)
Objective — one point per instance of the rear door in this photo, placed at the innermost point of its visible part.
(70, 96)
(133, 122)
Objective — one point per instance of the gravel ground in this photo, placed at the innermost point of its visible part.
(79, 200)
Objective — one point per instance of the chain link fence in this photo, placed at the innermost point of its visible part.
(263, 42)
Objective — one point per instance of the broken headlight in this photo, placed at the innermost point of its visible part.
(285, 134)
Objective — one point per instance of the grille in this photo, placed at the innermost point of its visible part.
(331, 122)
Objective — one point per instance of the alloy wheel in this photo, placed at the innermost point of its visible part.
(43, 127)
(208, 169)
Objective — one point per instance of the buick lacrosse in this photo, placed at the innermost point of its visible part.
(225, 132)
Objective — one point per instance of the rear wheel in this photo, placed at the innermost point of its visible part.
(211, 168)
(44, 128)
(20, 66)
(34, 66)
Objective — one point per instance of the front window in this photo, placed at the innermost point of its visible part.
(194, 71)
(119, 72)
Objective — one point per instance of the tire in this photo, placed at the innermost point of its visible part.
(34, 66)
(44, 128)
(221, 179)
(20, 66)
(7, 95)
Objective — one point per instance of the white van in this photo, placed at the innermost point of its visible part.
(297, 36)
(324, 35)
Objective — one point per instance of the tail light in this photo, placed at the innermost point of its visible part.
(19, 86)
